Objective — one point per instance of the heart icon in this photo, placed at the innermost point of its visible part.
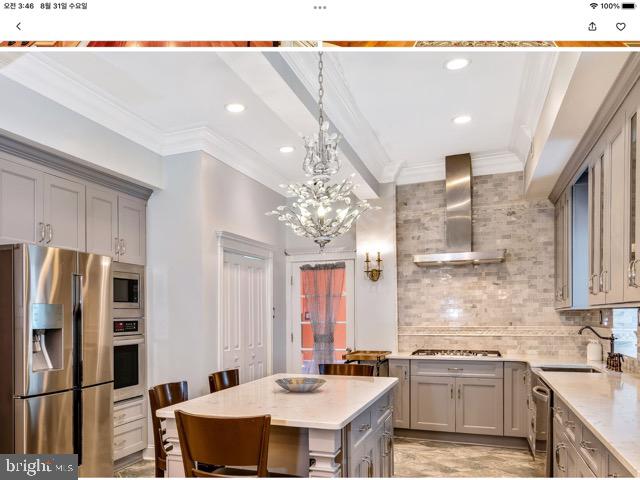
(621, 26)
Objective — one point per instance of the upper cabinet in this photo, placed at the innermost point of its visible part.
(45, 209)
(116, 225)
(610, 208)
(40, 208)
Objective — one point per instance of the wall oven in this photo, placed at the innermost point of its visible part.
(129, 367)
(128, 290)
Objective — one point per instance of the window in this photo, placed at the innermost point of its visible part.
(625, 329)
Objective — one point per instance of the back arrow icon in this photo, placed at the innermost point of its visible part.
(18, 26)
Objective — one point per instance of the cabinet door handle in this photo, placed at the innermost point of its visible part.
(558, 447)
(367, 460)
(364, 428)
(123, 247)
(630, 279)
(634, 275)
(592, 284)
(452, 392)
(42, 232)
(455, 369)
(459, 393)
(49, 231)
(584, 444)
(406, 373)
(117, 243)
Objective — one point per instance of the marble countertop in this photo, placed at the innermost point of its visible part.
(608, 403)
(333, 406)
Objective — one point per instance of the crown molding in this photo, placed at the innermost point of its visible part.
(488, 163)
(57, 83)
(342, 109)
(534, 88)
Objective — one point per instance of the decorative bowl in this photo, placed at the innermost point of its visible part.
(300, 384)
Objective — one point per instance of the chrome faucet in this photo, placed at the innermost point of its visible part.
(611, 339)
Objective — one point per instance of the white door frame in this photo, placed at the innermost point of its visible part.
(291, 263)
(239, 245)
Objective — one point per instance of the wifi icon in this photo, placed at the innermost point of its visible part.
(593, 5)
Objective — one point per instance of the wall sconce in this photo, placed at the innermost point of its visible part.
(373, 274)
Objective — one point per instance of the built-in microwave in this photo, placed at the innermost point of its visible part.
(128, 290)
(129, 365)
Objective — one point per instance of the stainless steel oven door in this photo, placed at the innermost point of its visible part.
(128, 367)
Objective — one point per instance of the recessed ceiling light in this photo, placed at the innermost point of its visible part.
(234, 107)
(461, 119)
(286, 149)
(457, 63)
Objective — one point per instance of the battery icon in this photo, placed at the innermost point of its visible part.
(628, 5)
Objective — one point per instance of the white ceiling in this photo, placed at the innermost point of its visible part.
(394, 108)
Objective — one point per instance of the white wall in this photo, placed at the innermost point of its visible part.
(376, 302)
(202, 196)
(30, 115)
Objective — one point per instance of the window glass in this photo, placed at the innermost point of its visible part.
(625, 329)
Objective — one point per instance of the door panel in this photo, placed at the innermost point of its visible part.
(479, 406)
(102, 221)
(97, 431)
(617, 271)
(432, 403)
(48, 311)
(21, 203)
(245, 315)
(64, 213)
(97, 325)
(132, 229)
(401, 395)
(44, 424)
(515, 399)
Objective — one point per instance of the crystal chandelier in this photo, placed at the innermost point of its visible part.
(322, 211)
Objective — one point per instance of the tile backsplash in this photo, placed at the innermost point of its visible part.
(507, 306)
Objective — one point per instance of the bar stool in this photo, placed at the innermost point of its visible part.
(349, 369)
(162, 396)
(241, 442)
(223, 380)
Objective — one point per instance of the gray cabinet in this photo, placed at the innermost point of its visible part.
(131, 230)
(515, 399)
(479, 406)
(64, 213)
(21, 204)
(102, 222)
(401, 397)
(563, 250)
(371, 442)
(433, 405)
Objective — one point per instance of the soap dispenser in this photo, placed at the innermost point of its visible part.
(594, 351)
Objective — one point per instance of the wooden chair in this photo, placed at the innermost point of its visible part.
(349, 369)
(223, 380)
(241, 442)
(162, 396)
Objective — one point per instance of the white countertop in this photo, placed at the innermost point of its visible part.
(608, 403)
(333, 406)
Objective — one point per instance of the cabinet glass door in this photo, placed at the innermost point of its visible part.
(632, 282)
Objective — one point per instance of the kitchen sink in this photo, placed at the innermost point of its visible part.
(570, 369)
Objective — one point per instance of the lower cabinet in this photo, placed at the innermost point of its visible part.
(402, 396)
(371, 442)
(457, 404)
(516, 401)
(567, 462)
(129, 427)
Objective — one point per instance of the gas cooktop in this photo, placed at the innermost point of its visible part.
(458, 353)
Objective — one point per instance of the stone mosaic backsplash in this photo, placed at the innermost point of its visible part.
(508, 306)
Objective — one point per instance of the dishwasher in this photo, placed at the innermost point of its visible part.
(543, 401)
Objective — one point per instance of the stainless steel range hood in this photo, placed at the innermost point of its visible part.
(459, 230)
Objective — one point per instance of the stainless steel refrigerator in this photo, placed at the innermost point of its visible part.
(56, 355)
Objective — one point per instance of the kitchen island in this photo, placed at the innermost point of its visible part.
(342, 429)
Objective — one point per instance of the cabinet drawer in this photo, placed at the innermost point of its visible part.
(380, 409)
(615, 468)
(560, 411)
(361, 427)
(457, 368)
(592, 451)
(129, 411)
(129, 438)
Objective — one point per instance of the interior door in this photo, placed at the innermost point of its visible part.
(300, 354)
(64, 213)
(21, 204)
(245, 315)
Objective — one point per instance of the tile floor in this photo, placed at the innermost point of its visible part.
(429, 458)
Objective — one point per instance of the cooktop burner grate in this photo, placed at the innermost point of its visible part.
(457, 353)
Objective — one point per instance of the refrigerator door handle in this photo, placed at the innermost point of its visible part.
(77, 328)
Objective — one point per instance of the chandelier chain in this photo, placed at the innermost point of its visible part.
(320, 90)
